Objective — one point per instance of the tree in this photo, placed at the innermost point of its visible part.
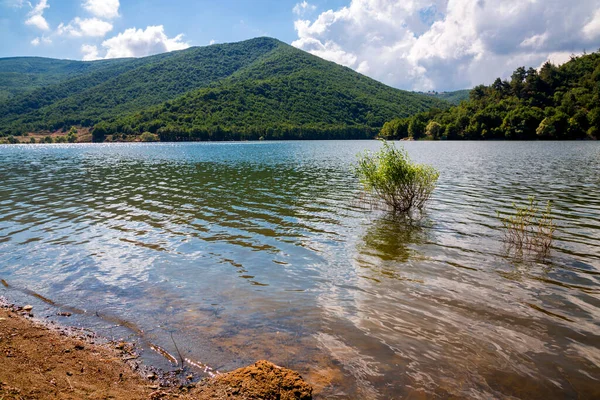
(395, 129)
(416, 128)
(553, 127)
(149, 137)
(72, 135)
(100, 131)
(434, 129)
(516, 82)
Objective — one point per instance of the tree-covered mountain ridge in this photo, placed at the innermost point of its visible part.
(549, 103)
(247, 90)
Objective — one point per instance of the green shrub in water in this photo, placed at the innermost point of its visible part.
(530, 228)
(395, 180)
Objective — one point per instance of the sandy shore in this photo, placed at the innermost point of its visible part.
(42, 361)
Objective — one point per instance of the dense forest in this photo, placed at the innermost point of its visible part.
(247, 90)
(289, 94)
(23, 74)
(455, 97)
(551, 103)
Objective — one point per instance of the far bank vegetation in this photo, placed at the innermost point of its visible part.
(552, 103)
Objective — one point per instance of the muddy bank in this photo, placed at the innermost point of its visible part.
(38, 361)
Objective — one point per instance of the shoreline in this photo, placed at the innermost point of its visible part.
(41, 359)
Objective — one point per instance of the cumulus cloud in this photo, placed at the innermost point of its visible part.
(107, 9)
(302, 8)
(90, 52)
(41, 40)
(449, 44)
(36, 16)
(93, 27)
(592, 29)
(137, 43)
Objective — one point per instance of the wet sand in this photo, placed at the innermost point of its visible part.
(39, 360)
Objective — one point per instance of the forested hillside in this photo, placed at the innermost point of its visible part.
(453, 97)
(128, 86)
(552, 103)
(23, 74)
(287, 94)
(261, 86)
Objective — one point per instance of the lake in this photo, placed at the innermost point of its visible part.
(236, 252)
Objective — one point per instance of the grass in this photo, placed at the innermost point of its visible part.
(530, 228)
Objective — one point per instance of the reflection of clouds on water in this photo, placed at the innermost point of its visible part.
(118, 264)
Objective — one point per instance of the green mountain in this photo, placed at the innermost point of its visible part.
(23, 74)
(258, 87)
(451, 97)
(454, 97)
(550, 104)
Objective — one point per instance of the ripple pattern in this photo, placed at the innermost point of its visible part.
(262, 250)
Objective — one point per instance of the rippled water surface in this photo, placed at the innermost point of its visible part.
(243, 251)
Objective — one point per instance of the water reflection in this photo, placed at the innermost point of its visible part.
(523, 264)
(389, 241)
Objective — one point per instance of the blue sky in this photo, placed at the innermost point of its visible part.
(199, 21)
(409, 44)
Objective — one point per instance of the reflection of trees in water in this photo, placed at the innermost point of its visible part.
(389, 241)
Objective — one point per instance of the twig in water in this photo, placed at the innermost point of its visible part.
(177, 348)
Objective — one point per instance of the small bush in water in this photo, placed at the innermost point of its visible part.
(395, 180)
(529, 228)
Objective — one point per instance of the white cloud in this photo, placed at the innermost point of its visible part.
(535, 42)
(90, 52)
(138, 43)
(558, 58)
(592, 29)
(303, 8)
(213, 41)
(449, 44)
(93, 27)
(41, 40)
(36, 16)
(102, 8)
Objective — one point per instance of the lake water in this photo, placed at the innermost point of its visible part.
(244, 251)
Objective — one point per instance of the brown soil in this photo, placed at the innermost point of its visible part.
(39, 362)
(83, 135)
(263, 380)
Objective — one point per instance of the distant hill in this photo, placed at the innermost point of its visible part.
(454, 97)
(451, 97)
(260, 86)
(551, 103)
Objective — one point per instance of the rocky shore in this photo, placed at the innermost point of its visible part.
(41, 361)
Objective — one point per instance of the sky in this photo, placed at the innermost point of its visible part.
(409, 44)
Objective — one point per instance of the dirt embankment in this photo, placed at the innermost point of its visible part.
(38, 362)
